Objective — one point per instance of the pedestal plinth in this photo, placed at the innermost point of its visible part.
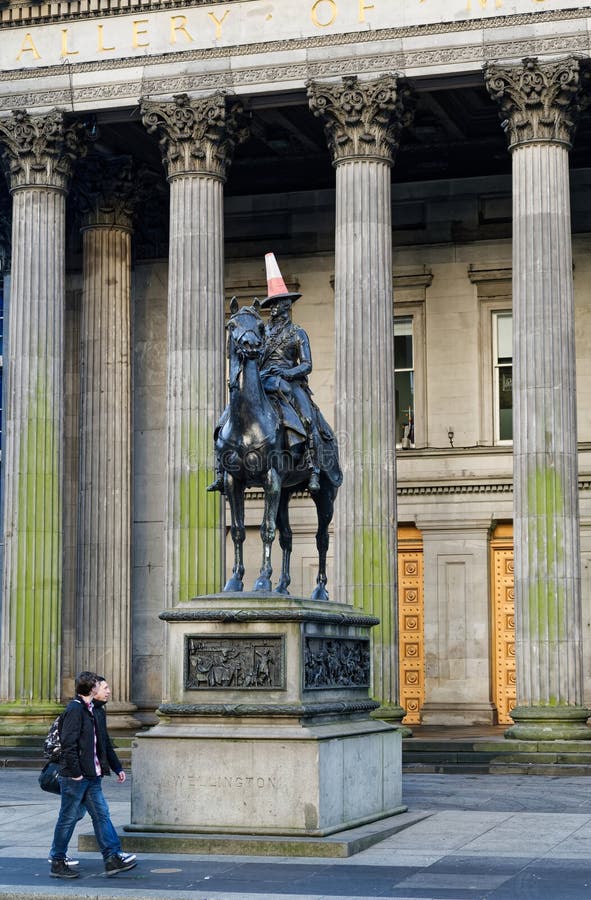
(265, 727)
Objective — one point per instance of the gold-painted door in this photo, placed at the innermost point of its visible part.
(411, 623)
(503, 624)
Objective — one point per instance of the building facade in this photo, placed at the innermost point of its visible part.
(421, 170)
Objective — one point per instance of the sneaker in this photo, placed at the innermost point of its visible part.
(67, 860)
(120, 862)
(61, 869)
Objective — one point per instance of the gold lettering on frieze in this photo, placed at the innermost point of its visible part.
(363, 6)
(483, 4)
(137, 31)
(28, 46)
(101, 41)
(324, 13)
(218, 23)
(65, 51)
(179, 23)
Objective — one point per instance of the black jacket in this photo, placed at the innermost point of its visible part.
(77, 740)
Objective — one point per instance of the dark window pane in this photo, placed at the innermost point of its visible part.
(404, 404)
(505, 403)
(403, 351)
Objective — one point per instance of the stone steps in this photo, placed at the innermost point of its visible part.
(26, 752)
(496, 757)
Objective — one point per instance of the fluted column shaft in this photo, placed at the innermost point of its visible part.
(196, 370)
(104, 515)
(540, 105)
(197, 138)
(362, 122)
(38, 156)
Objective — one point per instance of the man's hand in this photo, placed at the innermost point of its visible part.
(121, 777)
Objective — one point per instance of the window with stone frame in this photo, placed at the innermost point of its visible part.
(410, 293)
(493, 286)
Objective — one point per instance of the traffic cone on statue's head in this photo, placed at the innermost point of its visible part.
(276, 287)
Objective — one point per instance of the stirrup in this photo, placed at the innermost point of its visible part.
(217, 485)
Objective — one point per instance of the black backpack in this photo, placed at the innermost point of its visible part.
(52, 745)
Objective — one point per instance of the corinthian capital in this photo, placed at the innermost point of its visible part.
(196, 135)
(538, 101)
(362, 119)
(107, 191)
(40, 150)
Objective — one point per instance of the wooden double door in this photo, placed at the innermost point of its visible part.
(411, 615)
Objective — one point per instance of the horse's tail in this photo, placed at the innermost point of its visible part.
(328, 451)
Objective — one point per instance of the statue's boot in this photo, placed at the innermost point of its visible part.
(314, 482)
(217, 484)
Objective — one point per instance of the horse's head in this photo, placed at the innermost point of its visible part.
(246, 329)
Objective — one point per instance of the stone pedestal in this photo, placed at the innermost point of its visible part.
(266, 728)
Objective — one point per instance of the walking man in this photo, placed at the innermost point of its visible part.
(87, 755)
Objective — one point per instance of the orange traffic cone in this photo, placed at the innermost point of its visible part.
(276, 287)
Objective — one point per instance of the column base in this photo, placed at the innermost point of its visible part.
(121, 717)
(549, 723)
(393, 715)
(35, 718)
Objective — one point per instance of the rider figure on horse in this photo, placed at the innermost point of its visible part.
(285, 365)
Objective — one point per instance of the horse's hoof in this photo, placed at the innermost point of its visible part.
(233, 584)
(263, 584)
(282, 589)
(319, 593)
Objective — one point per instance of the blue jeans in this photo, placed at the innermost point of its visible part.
(76, 795)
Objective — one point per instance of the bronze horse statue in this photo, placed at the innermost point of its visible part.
(254, 449)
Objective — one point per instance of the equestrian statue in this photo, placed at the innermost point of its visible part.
(271, 434)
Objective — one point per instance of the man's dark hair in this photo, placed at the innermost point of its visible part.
(85, 682)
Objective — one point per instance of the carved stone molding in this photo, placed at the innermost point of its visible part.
(285, 710)
(197, 136)
(40, 150)
(353, 618)
(244, 72)
(539, 101)
(362, 119)
(22, 13)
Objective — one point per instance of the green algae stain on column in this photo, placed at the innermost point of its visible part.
(546, 556)
(199, 532)
(36, 576)
(374, 583)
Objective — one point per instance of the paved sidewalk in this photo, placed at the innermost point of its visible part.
(487, 838)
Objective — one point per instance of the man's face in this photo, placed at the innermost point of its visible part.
(280, 309)
(101, 691)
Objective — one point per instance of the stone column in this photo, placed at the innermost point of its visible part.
(38, 152)
(197, 137)
(363, 121)
(106, 197)
(539, 105)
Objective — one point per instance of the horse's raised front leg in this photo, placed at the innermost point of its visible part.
(285, 541)
(324, 500)
(234, 491)
(272, 487)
